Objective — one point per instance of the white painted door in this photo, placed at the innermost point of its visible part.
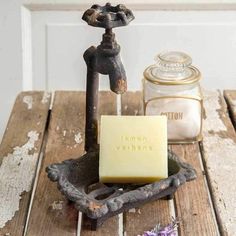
(60, 38)
(42, 49)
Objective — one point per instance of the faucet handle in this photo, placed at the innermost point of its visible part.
(108, 16)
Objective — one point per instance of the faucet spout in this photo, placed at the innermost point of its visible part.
(109, 62)
(117, 76)
(104, 59)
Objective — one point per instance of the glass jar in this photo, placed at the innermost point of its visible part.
(171, 87)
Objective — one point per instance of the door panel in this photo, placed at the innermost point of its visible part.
(60, 38)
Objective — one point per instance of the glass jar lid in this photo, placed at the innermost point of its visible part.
(172, 68)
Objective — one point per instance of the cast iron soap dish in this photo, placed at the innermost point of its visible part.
(78, 180)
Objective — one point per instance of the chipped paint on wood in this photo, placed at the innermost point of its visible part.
(133, 210)
(78, 138)
(57, 205)
(28, 100)
(219, 156)
(45, 98)
(230, 97)
(16, 174)
(212, 105)
(233, 102)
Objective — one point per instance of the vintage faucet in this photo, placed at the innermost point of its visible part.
(104, 59)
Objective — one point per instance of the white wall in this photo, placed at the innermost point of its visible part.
(15, 54)
(10, 57)
(61, 37)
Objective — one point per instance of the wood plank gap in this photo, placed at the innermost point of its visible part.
(173, 211)
(230, 98)
(52, 101)
(210, 191)
(192, 202)
(207, 183)
(121, 215)
(121, 224)
(118, 104)
(33, 192)
(172, 205)
(79, 225)
(21, 146)
(218, 148)
(39, 164)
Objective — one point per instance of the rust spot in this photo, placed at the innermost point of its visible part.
(93, 206)
(121, 86)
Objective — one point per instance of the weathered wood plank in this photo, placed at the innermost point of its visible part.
(230, 97)
(145, 218)
(51, 213)
(219, 150)
(19, 154)
(107, 106)
(192, 201)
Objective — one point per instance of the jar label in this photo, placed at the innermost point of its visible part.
(173, 115)
(184, 116)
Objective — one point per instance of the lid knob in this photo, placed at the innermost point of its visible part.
(173, 61)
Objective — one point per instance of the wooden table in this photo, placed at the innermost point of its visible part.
(37, 136)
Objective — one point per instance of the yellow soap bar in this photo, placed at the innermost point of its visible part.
(133, 149)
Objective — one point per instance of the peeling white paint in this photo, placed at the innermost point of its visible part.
(211, 105)
(38, 123)
(120, 224)
(64, 133)
(57, 128)
(135, 112)
(126, 107)
(28, 100)
(220, 157)
(16, 176)
(45, 98)
(78, 138)
(57, 205)
(219, 154)
(133, 210)
(233, 101)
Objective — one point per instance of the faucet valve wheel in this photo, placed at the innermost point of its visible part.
(108, 16)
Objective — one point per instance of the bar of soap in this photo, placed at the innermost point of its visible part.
(133, 149)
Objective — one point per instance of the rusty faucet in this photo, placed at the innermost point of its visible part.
(104, 59)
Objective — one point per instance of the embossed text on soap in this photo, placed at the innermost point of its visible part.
(134, 143)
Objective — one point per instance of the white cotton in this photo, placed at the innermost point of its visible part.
(184, 116)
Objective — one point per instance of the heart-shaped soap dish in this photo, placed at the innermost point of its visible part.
(78, 180)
